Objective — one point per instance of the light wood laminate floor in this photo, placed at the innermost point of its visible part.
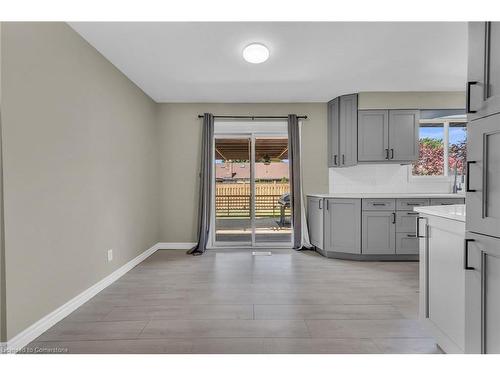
(232, 302)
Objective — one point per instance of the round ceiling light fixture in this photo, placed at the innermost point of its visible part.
(256, 53)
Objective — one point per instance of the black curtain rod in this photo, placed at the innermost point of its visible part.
(256, 117)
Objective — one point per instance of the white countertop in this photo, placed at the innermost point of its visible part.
(388, 195)
(454, 212)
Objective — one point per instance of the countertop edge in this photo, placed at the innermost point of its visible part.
(445, 212)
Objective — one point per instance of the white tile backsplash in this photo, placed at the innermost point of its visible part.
(378, 178)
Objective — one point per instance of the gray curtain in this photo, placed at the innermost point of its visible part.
(206, 173)
(300, 232)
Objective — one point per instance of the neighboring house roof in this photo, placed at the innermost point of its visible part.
(237, 171)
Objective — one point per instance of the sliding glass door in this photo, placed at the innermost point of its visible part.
(251, 191)
(233, 191)
(272, 191)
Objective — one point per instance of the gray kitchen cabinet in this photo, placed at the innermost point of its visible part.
(373, 135)
(388, 135)
(406, 243)
(406, 221)
(315, 220)
(378, 204)
(378, 232)
(333, 130)
(342, 225)
(403, 135)
(446, 201)
(483, 176)
(482, 294)
(483, 76)
(348, 114)
(442, 281)
(343, 131)
(407, 204)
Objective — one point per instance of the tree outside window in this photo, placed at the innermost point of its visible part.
(443, 146)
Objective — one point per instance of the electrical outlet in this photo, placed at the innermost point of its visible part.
(110, 255)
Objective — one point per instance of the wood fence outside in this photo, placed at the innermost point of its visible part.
(233, 200)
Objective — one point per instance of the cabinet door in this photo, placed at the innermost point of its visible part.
(373, 135)
(348, 120)
(343, 225)
(406, 221)
(482, 295)
(315, 220)
(483, 190)
(379, 232)
(403, 135)
(406, 243)
(483, 82)
(446, 201)
(333, 133)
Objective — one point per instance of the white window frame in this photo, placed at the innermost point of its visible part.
(445, 177)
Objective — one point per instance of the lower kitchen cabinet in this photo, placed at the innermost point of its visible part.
(378, 232)
(366, 228)
(342, 226)
(406, 243)
(482, 294)
(442, 281)
(315, 220)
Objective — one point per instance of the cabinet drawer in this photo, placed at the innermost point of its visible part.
(379, 204)
(446, 201)
(406, 243)
(407, 204)
(406, 221)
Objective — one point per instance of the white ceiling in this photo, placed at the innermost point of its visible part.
(309, 62)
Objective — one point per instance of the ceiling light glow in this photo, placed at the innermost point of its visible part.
(256, 53)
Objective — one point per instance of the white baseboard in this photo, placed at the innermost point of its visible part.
(175, 245)
(36, 329)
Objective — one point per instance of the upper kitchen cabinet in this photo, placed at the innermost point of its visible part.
(373, 135)
(342, 131)
(388, 135)
(483, 176)
(483, 82)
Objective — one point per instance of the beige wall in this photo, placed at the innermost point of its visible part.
(412, 99)
(81, 168)
(180, 140)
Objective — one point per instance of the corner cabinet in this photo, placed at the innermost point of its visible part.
(483, 75)
(388, 135)
(343, 131)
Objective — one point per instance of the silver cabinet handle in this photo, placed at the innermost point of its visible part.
(320, 204)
